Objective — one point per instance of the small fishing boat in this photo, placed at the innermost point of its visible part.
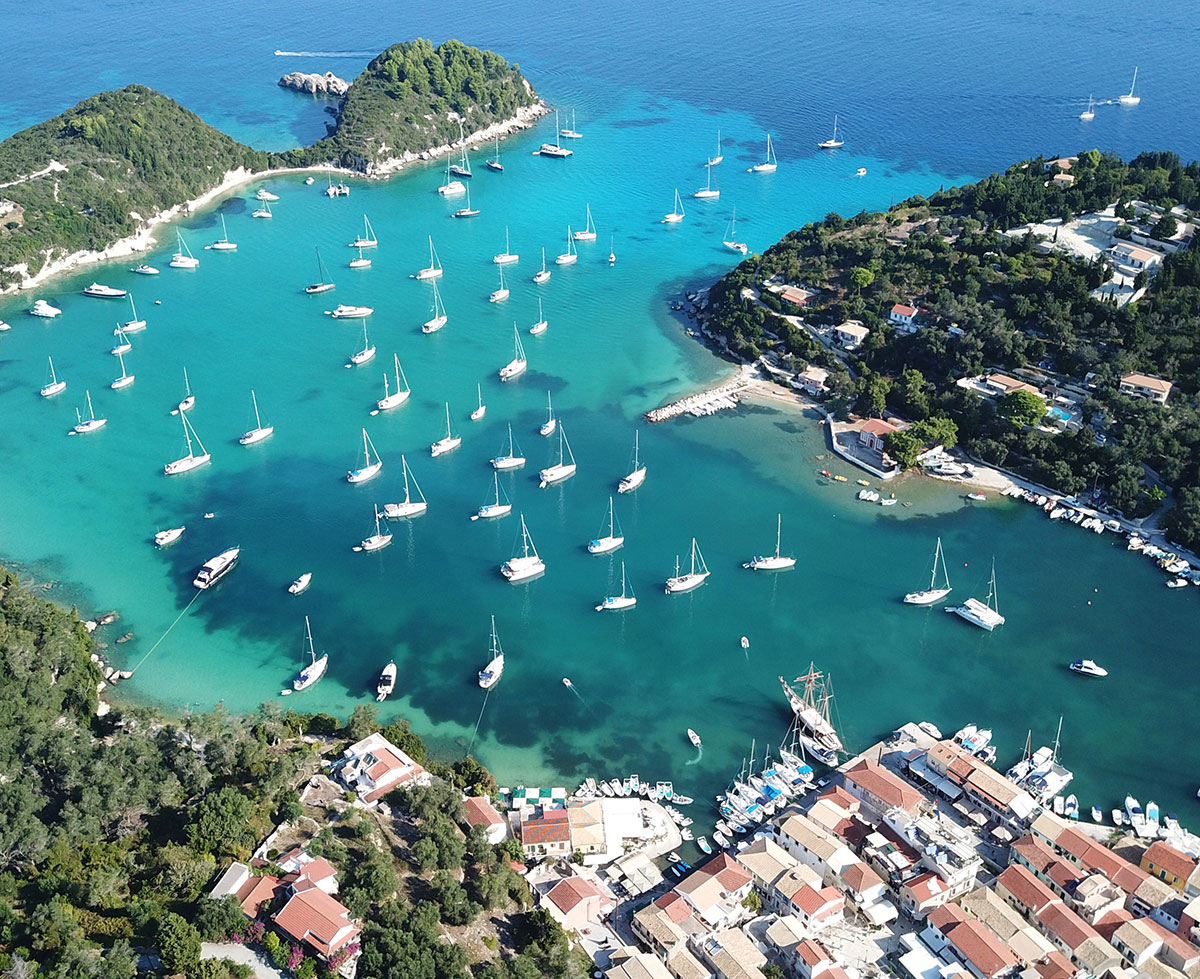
(693, 737)
(300, 584)
(386, 683)
(703, 844)
(1097, 814)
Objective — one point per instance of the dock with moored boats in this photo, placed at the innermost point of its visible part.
(706, 403)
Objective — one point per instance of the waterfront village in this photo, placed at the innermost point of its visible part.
(914, 858)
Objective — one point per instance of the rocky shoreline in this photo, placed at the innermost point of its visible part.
(314, 84)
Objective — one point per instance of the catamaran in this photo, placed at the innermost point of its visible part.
(776, 561)
(369, 469)
(263, 211)
(570, 256)
(714, 160)
(324, 283)
(496, 509)
(541, 326)
(613, 539)
(494, 163)
(694, 578)
(345, 312)
(730, 241)
(708, 192)
(770, 164)
(366, 355)
(189, 399)
(439, 318)
(1131, 99)
(812, 725)
(506, 257)
(544, 275)
(833, 142)
(54, 385)
(451, 188)
(932, 594)
(260, 431)
(434, 270)
(408, 507)
(223, 244)
(468, 211)
(481, 408)
(676, 215)
(378, 540)
(193, 459)
(134, 325)
(986, 615)
(555, 150)
(491, 673)
(501, 294)
(394, 399)
(367, 239)
(616, 603)
(551, 423)
(216, 568)
(637, 475)
(516, 366)
(524, 565)
(315, 669)
(183, 259)
(512, 459)
(589, 231)
(449, 443)
(92, 423)
(124, 380)
(463, 167)
(1088, 114)
(564, 468)
(386, 683)
(571, 133)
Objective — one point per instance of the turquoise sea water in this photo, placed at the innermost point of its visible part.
(82, 510)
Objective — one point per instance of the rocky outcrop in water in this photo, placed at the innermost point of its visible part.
(327, 84)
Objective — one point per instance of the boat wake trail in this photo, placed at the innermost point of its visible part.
(326, 54)
(699, 755)
(479, 720)
(167, 633)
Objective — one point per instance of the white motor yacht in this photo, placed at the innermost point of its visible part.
(98, 291)
(350, 312)
(43, 309)
(166, 537)
(387, 682)
(216, 568)
(1088, 668)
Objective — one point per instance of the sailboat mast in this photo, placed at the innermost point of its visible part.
(778, 534)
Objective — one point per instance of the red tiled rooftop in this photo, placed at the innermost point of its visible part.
(1166, 857)
(982, 947)
(877, 426)
(1026, 888)
(481, 812)
(811, 952)
(874, 778)
(859, 877)
(674, 905)
(946, 916)
(256, 892)
(1066, 925)
(315, 917)
(810, 900)
(1055, 966)
(546, 830)
(1034, 852)
(728, 871)
(902, 310)
(1110, 921)
(569, 891)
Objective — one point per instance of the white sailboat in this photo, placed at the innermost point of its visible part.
(494, 163)
(512, 459)
(770, 164)
(617, 603)
(366, 355)
(833, 142)
(439, 318)
(986, 615)
(360, 262)
(468, 211)
(571, 133)
(555, 150)
(92, 423)
(676, 215)
(263, 211)
(776, 561)
(136, 324)
(1131, 99)
(501, 294)
(708, 192)
(589, 231)
(370, 467)
(526, 564)
(315, 669)
(491, 673)
(378, 540)
(551, 423)
(463, 167)
(506, 257)
(223, 244)
(324, 283)
(570, 256)
(408, 507)
(193, 459)
(481, 409)
(541, 326)
(606, 543)
(544, 275)
(564, 468)
(54, 385)
(434, 269)
(260, 431)
(714, 160)
(1088, 114)
(932, 594)
(124, 380)
(730, 241)
(496, 508)
(637, 475)
(693, 578)
(367, 239)
(189, 399)
(516, 366)
(449, 443)
(183, 259)
(451, 188)
(122, 346)
(394, 399)
(612, 254)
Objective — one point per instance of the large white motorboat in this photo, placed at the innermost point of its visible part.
(434, 269)
(449, 443)
(589, 229)
(1088, 668)
(214, 569)
(543, 276)
(387, 682)
(506, 257)
(410, 506)
(512, 458)
(367, 239)
(526, 564)
(570, 256)
(564, 468)
(367, 354)
(85, 426)
(43, 309)
(833, 143)
(54, 385)
(378, 540)
(637, 475)
(515, 367)
(301, 584)
(223, 244)
(144, 269)
(811, 708)
(324, 283)
(617, 603)
(125, 379)
(776, 561)
(986, 615)
(259, 432)
(372, 463)
(394, 399)
(165, 538)
(490, 674)
(1131, 99)
(495, 508)
(605, 543)
(551, 423)
(770, 164)
(315, 669)
(193, 459)
(501, 294)
(183, 258)
(98, 291)
(439, 317)
(344, 311)
(265, 195)
(932, 594)
(696, 575)
(677, 214)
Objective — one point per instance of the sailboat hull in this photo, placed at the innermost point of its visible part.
(631, 482)
(605, 545)
(520, 569)
(186, 464)
(491, 510)
(362, 475)
(927, 597)
(685, 582)
(556, 474)
(410, 508)
(616, 603)
(392, 400)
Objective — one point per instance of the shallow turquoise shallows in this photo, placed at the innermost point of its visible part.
(83, 510)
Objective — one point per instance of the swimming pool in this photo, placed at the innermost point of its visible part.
(1058, 413)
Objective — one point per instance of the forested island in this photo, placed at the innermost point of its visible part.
(113, 830)
(989, 301)
(97, 173)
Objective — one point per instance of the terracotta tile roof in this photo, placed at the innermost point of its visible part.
(1026, 888)
(947, 916)
(1034, 852)
(1055, 966)
(728, 871)
(1182, 948)
(925, 888)
(256, 892)
(1166, 857)
(481, 812)
(900, 309)
(874, 778)
(1065, 875)
(1091, 855)
(877, 426)
(838, 795)
(547, 828)
(1110, 921)
(811, 952)
(318, 919)
(981, 947)
(810, 900)
(674, 905)
(859, 877)
(570, 891)
(1065, 925)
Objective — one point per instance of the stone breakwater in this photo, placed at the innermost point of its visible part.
(705, 403)
(326, 84)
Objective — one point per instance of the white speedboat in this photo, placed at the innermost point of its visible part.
(506, 257)
(986, 615)
(439, 317)
(570, 256)
(43, 309)
(367, 239)
(564, 468)
(501, 294)
(324, 283)
(543, 276)
(618, 603)
(387, 682)
(932, 594)
(54, 385)
(833, 143)
(515, 367)
(551, 423)
(490, 675)
(85, 426)
(496, 508)
(372, 463)
(1088, 668)
(449, 443)
(434, 269)
(410, 506)
(678, 214)
(214, 569)
(525, 564)
(636, 475)
(183, 258)
(349, 312)
(145, 270)
(378, 540)
(696, 575)
(260, 432)
(776, 561)
(193, 459)
(606, 543)
(512, 458)
(300, 584)
(98, 291)
(367, 354)
(589, 229)
(694, 737)
(223, 244)
(316, 667)
(394, 399)
(770, 164)
(167, 537)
